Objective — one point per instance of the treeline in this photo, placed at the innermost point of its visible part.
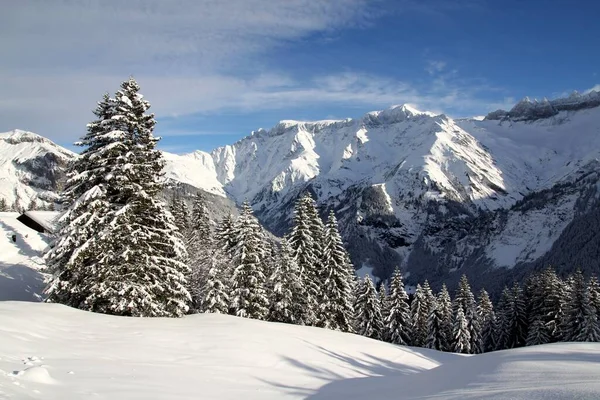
(546, 309)
(33, 205)
(305, 279)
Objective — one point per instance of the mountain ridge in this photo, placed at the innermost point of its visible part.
(426, 192)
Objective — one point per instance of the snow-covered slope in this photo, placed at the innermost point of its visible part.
(21, 262)
(30, 168)
(49, 351)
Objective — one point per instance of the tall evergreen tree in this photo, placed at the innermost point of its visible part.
(465, 300)
(502, 320)
(487, 317)
(214, 294)
(514, 318)
(307, 254)
(249, 294)
(419, 314)
(87, 209)
(580, 319)
(444, 303)
(142, 272)
(202, 248)
(225, 234)
(368, 311)
(181, 214)
(3, 205)
(286, 284)
(397, 323)
(436, 339)
(336, 275)
(545, 302)
(461, 335)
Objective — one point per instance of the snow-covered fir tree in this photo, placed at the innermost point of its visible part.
(225, 234)
(545, 303)
(202, 248)
(248, 282)
(461, 336)
(419, 314)
(502, 325)
(214, 294)
(181, 214)
(397, 323)
(143, 271)
(465, 300)
(336, 275)
(128, 260)
(384, 305)
(3, 205)
(436, 339)
(307, 254)
(487, 318)
(581, 319)
(87, 209)
(368, 311)
(285, 286)
(513, 318)
(444, 304)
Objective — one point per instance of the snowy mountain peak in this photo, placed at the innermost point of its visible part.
(19, 136)
(528, 110)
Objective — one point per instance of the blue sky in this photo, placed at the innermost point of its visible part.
(216, 70)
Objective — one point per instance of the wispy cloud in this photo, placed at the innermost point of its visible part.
(191, 57)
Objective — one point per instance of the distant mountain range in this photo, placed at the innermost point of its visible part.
(493, 197)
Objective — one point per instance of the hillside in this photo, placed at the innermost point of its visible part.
(53, 352)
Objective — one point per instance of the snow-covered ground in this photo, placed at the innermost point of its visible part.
(20, 261)
(49, 351)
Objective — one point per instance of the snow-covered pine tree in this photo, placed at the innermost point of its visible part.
(285, 285)
(181, 214)
(87, 210)
(436, 339)
(581, 319)
(385, 307)
(444, 303)
(248, 282)
(590, 327)
(515, 318)
(461, 335)
(502, 322)
(545, 303)
(487, 318)
(397, 323)
(368, 311)
(594, 289)
(202, 247)
(465, 300)
(215, 293)
(140, 270)
(419, 314)
(302, 242)
(225, 234)
(3, 205)
(336, 275)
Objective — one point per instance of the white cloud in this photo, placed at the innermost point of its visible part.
(595, 88)
(435, 66)
(189, 56)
